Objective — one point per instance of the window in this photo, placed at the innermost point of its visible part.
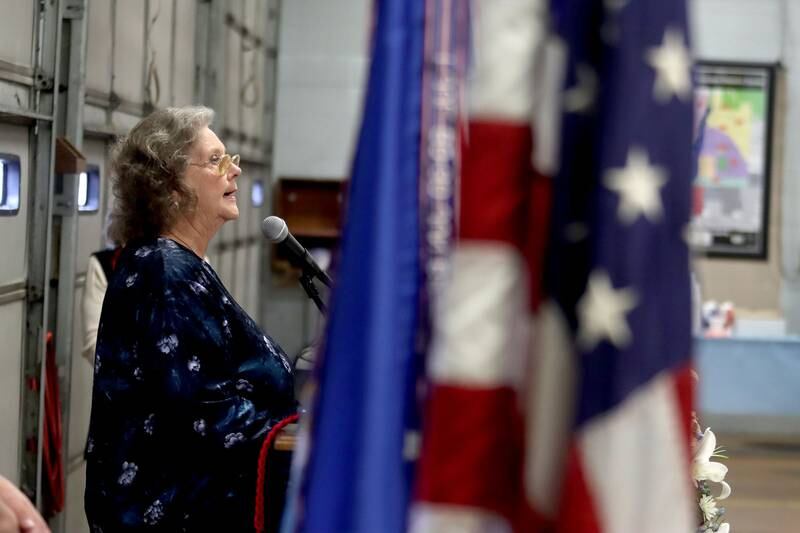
(9, 184)
(257, 193)
(89, 190)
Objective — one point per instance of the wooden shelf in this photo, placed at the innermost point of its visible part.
(313, 211)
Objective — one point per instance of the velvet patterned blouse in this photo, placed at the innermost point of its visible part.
(186, 387)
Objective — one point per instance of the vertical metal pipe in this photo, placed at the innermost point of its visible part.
(172, 39)
(39, 254)
(65, 213)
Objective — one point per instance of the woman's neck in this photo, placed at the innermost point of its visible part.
(190, 236)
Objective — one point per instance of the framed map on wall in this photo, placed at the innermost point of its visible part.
(732, 147)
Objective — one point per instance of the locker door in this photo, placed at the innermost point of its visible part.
(13, 242)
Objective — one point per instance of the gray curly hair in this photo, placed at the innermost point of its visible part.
(147, 166)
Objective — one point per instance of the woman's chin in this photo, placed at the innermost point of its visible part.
(231, 213)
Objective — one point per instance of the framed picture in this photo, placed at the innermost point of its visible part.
(732, 149)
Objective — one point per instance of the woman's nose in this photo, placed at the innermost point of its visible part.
(234, 171)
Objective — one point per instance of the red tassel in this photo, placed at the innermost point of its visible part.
(260, 517)
(53, 463)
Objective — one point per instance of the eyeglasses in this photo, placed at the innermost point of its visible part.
(223, 163)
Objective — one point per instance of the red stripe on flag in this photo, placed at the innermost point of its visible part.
(495, 174)
(538, 230)
(473, 458)
(683, 381)
(577, 512)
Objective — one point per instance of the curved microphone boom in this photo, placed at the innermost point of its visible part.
(275, 229)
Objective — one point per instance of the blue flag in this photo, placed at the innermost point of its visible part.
(356, 478)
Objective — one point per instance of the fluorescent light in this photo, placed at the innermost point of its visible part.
(83, 189)
(2, 182)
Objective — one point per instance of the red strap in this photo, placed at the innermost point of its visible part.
(259, 519)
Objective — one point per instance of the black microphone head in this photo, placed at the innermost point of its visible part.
(275, 229)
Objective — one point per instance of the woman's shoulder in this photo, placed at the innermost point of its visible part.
(164, 254)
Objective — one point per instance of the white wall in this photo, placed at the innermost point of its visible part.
(321, 71)
(322, 68)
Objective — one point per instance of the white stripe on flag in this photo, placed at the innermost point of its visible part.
(550, 404)
(635, 463)
(482, 326)
(438, 518)
(506, 37)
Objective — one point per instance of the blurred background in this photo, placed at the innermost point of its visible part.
(286, 80)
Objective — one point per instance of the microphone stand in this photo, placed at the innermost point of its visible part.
(307, 281)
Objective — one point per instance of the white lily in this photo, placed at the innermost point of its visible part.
(726, 491)
(703, 467)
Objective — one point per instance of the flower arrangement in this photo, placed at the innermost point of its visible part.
(705, 472)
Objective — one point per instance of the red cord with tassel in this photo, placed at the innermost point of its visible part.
(260, 516)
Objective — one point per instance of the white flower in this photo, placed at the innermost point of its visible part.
(709, 508)
(128, 473)
(168, 344)
(231, 439)
(726, 491)
(702, 466)
(154, 513)
(194, 364)
(724, 528)
(148, 423)
(200, 426)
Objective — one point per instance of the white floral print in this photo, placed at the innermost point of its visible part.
(168, 344)
(194, 364)
(128, 473)
(154, 513)
(197, 288)
(231, 439)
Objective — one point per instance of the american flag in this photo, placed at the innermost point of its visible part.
(560, 394)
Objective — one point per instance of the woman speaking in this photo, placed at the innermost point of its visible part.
(186, 385)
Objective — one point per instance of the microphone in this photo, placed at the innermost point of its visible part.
(275, 229)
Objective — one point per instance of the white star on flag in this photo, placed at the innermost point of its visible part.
(671, 62)
(601, 313)
(638, 185)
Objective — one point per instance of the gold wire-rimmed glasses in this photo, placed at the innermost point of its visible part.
(223, 163)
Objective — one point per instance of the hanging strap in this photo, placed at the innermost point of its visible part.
(260, 515)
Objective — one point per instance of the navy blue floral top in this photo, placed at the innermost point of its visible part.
(186, 387)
